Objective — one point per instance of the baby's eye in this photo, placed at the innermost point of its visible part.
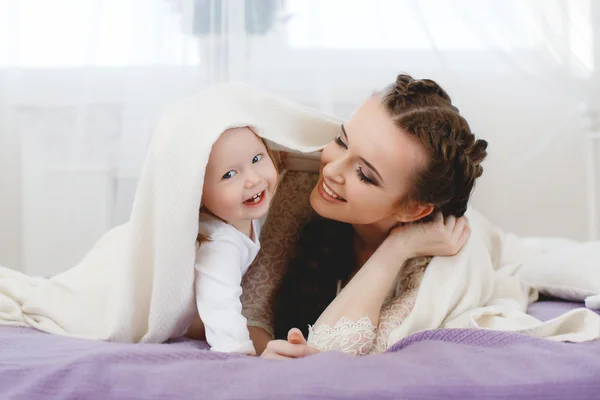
(257, 158)
(229, 175)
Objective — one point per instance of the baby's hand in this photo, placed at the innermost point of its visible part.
(441, 237)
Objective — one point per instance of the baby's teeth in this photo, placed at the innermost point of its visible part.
(256, 197)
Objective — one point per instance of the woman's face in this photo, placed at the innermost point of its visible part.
(368, 169)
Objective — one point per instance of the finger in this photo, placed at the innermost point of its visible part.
(449, 223)
(284, 348)
(438, 219)
(276, 346)
(274, 356)
(459, 226)
(464, 237)
(295, 336)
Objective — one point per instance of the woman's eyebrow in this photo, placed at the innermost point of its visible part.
(344, 132)
(368, 164)
(372, 168)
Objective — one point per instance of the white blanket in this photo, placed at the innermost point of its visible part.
(136, 284)
(481, 287)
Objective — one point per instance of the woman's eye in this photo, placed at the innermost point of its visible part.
(363, 177)
(338, 140)
(257, 158)
(229, 175)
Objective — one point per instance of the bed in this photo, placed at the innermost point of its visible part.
(450, 364)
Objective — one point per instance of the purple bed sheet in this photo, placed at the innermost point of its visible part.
(449, 364)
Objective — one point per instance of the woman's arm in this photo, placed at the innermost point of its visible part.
(364, 295)
(355, 311)
(348, 323)
(260, 338)
(289, 210)
(258, 286)
(396, 310)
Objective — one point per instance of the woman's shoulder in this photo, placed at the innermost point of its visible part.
(410, 276)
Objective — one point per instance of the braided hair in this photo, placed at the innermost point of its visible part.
(420, 108)
(423, 109)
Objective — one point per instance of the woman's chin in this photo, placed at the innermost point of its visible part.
(315, 200)
(323, 208)
(318, 204)
(341, 212)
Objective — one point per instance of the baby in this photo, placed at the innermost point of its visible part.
(239, 185)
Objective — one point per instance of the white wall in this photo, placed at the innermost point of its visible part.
(53, 211)
(10, 186)
(58, 196)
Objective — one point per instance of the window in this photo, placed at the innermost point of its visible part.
(104, 33)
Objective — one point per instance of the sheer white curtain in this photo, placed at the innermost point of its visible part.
(82, 83)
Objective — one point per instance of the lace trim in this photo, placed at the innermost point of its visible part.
(350, 337)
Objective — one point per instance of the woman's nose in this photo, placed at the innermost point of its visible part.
(334, 170)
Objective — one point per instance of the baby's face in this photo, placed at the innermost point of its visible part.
(240, 177)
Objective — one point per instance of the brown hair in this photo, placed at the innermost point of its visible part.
(323, 257)
(423, 109)
(277, 162)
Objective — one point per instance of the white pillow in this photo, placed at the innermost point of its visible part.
(569, 271)
(593, 302)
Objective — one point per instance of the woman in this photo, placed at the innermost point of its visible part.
(405, 156)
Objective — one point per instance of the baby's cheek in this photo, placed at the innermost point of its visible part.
(271, 176)
(227, 204)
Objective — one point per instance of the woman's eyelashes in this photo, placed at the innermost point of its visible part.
(340, 142)
(363, 177)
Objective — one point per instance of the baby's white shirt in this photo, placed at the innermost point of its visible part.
(220, 264)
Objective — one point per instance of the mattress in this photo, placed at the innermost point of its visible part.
(445, 363)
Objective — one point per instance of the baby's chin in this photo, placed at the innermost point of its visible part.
(262, 210)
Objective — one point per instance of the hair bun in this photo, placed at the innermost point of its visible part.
(422, 108)
(474, 155)
(406, 89)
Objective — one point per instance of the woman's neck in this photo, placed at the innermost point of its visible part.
(367, 239)
(370, 237)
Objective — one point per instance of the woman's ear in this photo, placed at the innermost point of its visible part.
(414, 211)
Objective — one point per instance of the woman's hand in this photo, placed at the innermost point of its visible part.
(441, 237)
(294, 347)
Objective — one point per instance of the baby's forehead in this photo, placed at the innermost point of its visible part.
(235, 145)
(238, 130)
(243, 134)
